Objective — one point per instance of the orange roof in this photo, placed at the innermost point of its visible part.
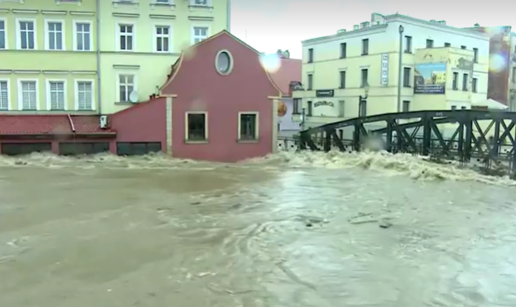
(290, 71)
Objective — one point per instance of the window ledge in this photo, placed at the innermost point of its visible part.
(195, 142)
(126, 3)
(124, 103)
(172, 6)
(206, 7)
(58, 2)
(248, 141)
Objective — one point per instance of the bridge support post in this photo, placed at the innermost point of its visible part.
(356, 137)
(427, 134)
(389, 135)
(495, 150)
(460, 146)
(469, 135)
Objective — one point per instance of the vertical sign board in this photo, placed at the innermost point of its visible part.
(385, 69)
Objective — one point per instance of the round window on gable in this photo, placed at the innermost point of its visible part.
(223, 62)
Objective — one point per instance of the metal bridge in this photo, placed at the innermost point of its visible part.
(487, 137)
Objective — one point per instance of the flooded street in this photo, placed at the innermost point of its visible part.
(292, 230)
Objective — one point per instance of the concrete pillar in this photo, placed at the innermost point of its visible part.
(169, 125)
(275, 103)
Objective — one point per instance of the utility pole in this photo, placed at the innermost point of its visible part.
(400, 67)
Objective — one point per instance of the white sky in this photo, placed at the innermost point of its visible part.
(269, 25)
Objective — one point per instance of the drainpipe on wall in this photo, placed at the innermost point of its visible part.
(228, 13)
(97, 34)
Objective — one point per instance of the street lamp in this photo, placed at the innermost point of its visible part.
(362, 101)
(400, 64)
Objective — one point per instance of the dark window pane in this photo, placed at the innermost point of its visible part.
(248, 126)
(13, 149)
(197, 127)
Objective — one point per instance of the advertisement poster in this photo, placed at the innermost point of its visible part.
(285, 108)
(430, 78)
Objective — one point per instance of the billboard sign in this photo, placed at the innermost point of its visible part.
(430, 78)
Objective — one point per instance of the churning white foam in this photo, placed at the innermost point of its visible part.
(417, 167)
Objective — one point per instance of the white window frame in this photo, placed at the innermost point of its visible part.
(5, 34)
(76, 94)
(8, 94)
(194, 3)
(193, 36)
(18, 32)
(118, 35)
(156, 26)
(20, 94)
(75, 23)
(206, 127)
(47, 33)
(257, 124)
(49, 102)
(118, 84)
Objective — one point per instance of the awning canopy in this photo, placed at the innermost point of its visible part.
(490, 104)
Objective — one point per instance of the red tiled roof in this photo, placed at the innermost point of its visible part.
(290, 71)
(87, 124)
(48, 124)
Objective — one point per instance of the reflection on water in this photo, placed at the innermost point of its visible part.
(290, 230)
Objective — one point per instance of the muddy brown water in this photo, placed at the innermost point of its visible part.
(155, 232)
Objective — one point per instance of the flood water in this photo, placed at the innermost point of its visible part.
(291, 230)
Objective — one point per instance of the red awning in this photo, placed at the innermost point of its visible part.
(62, 124)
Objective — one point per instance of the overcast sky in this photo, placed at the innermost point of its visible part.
(268, 25)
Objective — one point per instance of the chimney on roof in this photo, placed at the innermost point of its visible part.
(283, 54)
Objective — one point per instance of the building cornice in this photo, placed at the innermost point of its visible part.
(435, 26)
(345, 35)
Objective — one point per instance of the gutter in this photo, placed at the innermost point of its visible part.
(97, 38)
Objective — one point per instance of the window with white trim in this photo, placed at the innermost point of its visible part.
(29, 95)
(27, 38)
(56, 95)
(55, 35)
(85, 95)
(126, 86)
(248, 126)
(3, 36)
(199, 34)
(126, 33)
(162, 38)
(82, 36)
(163, 1)
(4, 95)
(200, 2)
(196, 126)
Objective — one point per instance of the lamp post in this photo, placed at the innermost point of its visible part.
(400, 65)
(362, 101)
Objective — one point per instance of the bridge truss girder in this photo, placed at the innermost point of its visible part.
(487, 136)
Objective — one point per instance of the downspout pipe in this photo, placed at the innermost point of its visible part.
(97, 39)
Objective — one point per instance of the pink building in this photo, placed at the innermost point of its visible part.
(224, 103)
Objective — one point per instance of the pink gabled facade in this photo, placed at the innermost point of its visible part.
(196, 86)
(144, 122)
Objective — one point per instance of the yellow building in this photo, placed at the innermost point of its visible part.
(140, 40)
(340, 68)
(47, 55)
(96, 56)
